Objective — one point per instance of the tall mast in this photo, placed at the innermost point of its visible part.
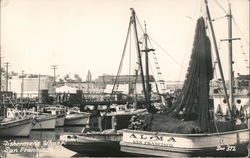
(139, 59)
(146, 65)
(217, 56)
(146, 50)
(230, 56)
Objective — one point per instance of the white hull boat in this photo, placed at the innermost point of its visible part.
(93, 144)
(76, 119)
(233, 143)
(45, 122)
(19, 127)
(59, 112)
(193, 132)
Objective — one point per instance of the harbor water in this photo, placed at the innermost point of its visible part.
(40, 144)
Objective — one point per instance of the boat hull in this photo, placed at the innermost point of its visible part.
(45, 123)
(18, 128)
(76, 120)
(232, 143)
(93, 144)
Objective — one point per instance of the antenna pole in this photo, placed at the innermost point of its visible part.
(54, 67)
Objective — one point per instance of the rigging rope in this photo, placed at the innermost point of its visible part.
(139, 24)
(122, 58)
(220, 6)
(157, 89)
(167, 53)
(240, 31)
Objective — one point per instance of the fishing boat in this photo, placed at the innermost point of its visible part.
(42, 121)
(59, 112)
(188, 128)
(102, 139)
(45, 122)
(75, 117)
(119, 119)
(18, 126)
(104, 143)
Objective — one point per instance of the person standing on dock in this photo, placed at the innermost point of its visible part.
(94, 116)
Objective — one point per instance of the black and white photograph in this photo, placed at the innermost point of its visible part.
(124, 78)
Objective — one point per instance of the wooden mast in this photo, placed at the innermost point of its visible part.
(217, 56)
(147, 50)
(230, 56)
(139, 59)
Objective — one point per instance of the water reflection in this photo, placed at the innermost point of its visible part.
(39, 144)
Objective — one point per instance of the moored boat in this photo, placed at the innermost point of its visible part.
(192, 129)
(16, 127)
(76, 118)
(119, 119)
(93, 144)
(42, 121)
(45, 122)
(59, 112)
(233, 143)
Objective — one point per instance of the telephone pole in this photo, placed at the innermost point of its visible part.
(7, 75)
(54, 67)
(39, 87)
(22, 86)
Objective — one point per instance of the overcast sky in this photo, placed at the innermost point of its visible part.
(82, 35)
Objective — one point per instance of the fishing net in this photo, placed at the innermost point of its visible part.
(193, 102)
(163, 123)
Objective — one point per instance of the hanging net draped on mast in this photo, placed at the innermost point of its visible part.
(193, 101)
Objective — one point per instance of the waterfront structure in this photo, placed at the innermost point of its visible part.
(31, 85)
(241, 96)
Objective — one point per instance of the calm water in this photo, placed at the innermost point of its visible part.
(40, 144)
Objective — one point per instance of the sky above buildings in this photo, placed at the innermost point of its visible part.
(82, 35)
